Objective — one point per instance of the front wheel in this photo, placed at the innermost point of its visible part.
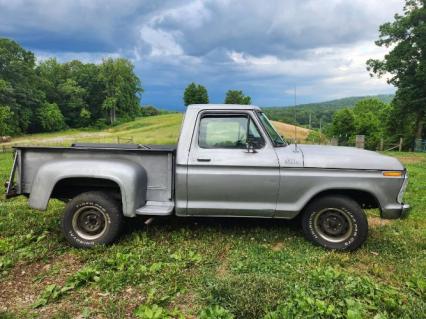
(91, 218)
(335, 222)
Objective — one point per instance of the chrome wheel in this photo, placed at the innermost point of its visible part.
(89, 222)
(333, 224)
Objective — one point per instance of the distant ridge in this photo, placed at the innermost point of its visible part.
(343, 102)
(316, 115)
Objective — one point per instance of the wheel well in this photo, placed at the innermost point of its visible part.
(68, 188)
(364, 199)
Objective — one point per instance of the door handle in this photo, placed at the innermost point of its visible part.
(203, 159)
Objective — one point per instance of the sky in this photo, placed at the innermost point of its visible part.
(265, 48)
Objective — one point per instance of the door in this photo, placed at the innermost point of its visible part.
(225, 178)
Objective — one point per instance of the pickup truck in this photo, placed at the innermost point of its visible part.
(229, 162)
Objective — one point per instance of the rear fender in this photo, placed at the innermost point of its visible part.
(129, 176)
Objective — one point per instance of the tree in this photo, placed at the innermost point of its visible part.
(18, 84)
(195, 94)
(85, 93)
(237, 97)
(50, 118)
(50, 74)
(87, 76)
(343, 125)
(5, 116)
(371, 117)
(406, 62)
(72, 102)
(122, 88)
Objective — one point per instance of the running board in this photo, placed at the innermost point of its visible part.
(156, 208)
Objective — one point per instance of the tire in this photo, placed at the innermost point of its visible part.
(91, 219)
(335, 222)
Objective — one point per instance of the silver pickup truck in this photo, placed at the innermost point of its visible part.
(229, 162)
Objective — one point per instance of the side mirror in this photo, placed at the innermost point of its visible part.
(252, 144)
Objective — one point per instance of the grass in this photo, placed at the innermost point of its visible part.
(162, 129)
(210, 268)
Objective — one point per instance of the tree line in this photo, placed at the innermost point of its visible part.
(370, 117)
(50, 96)
(317, 115)
(197, 94)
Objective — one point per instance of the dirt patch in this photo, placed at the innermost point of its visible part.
(186, 303)
(378, 222)
(410, 159)
(223, 268)
(26, 281)
(278, 246)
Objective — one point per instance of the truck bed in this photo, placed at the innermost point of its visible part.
(157, 160)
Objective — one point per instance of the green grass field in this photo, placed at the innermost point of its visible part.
(162, 129)
(209, 268)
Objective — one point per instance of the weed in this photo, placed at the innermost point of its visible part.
(215, 312)
(156, 312)
(53, 292)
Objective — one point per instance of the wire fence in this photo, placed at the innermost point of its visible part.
(5, 149)
(420, 145)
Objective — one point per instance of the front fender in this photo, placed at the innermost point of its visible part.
(299, 186)
(129, 176)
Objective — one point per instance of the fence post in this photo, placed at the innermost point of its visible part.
(400, 144)
(381, 144)
(360, 141)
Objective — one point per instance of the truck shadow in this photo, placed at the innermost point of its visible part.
(222, 224)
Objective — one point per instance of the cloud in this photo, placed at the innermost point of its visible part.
(264, 48)
(161, 43)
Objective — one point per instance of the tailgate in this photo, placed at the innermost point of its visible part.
(13, 189)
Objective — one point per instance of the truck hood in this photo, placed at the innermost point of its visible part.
(324, 156)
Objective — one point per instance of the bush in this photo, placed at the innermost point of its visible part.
(5, 116)
(50, 118)
(149, 110)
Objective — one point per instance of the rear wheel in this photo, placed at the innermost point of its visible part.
(335, 222)
(91, 218)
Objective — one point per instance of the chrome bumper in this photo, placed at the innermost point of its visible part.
(395, 211)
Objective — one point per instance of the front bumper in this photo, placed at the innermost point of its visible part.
(396, 211)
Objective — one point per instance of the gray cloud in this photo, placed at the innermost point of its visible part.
(262, 47)
(272, 27)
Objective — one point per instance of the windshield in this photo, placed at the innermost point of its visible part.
(277, 140)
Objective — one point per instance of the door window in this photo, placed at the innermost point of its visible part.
(228, 132)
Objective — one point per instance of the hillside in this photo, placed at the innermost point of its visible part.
(290, 131)
(160, 129)
(343, 102)
(299, 115)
